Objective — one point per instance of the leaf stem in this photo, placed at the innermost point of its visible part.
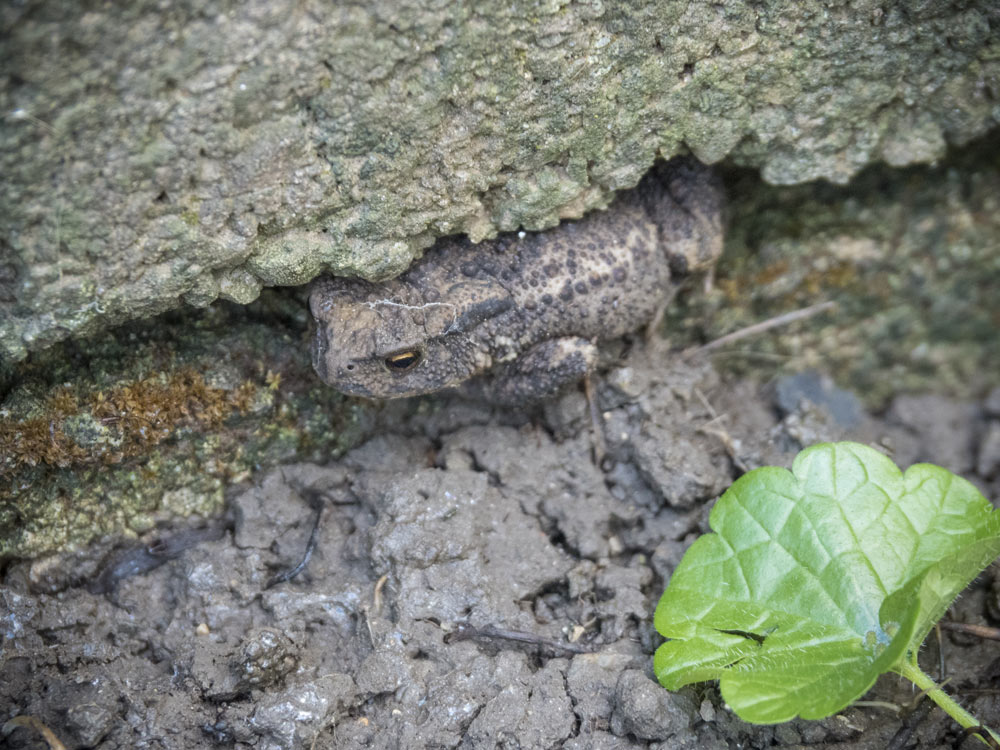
(918, 677)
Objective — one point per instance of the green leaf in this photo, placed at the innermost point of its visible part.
(818, 580)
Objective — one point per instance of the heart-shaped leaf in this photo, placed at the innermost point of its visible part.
(818, 580)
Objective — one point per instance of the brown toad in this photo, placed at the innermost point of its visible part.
(528, 307)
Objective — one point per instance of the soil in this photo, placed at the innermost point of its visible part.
(477, 581)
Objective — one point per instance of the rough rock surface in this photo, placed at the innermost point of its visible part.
(157, 155)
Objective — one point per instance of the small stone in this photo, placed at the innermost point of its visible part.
(647, 710)
(623, 379)
(89, 723)
(265, 658)
(707, 711)
(992, 403)
(988, 461)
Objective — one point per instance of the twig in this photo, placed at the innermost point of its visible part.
(982, 631)
(464, 632)
(704, 402)
(599, 446)
(33, 722)
(942, 667)
(377, 597)
(310, 546)
(766, 325)
(910, 723)
(146, 557)
(894, 707)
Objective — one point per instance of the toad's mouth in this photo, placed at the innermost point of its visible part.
(356, 389)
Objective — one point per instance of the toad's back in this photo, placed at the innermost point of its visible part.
(599, 277)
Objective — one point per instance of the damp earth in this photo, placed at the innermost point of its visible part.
(476, 581)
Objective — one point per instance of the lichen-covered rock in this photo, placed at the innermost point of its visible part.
(153, 157)
(149, 422)
(911, 257)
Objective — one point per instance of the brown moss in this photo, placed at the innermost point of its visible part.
(837, 277)
(736, 288)
(128, 420)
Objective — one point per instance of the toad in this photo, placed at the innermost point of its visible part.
(525, 309)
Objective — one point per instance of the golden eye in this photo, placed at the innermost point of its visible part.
(403, 361)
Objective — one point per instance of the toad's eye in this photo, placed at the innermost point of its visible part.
(403, 361)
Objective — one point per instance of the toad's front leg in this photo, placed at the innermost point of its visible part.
(542, 371)
(545, 370)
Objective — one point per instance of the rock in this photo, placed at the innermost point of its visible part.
(988, 461)
(215, 153)
(648, 711)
